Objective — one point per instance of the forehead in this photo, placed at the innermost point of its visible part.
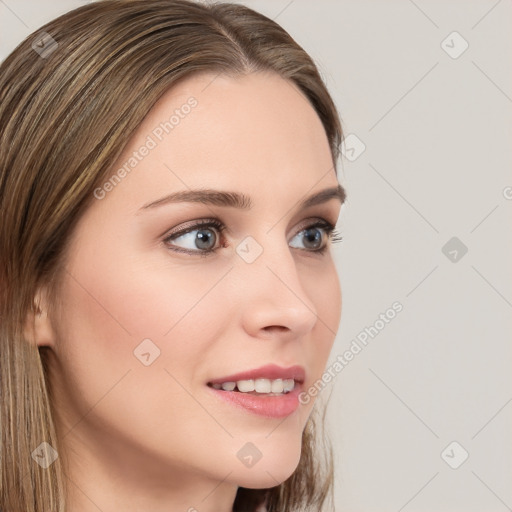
(255, 132)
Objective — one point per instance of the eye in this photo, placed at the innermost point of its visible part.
(316, 237)
(200, 238)
(203, 239)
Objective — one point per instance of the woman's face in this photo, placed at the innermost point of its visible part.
(149, 318)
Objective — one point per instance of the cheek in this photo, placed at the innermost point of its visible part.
(327, 296)
(324, 291)
(109, 309)
(113, 306)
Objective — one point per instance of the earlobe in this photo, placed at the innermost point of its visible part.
(38, 328)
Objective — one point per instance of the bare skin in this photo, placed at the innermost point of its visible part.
(155, 437)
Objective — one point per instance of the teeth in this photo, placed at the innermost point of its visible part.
(262, 385)
(277, 386)
(288, 385)
(245, 386)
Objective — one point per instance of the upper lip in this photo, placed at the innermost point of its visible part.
(269, 371)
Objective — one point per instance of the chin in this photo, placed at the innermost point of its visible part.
(277, 468)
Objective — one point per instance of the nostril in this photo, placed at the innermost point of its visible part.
(275, 327)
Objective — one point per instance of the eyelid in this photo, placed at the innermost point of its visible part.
(314, 222)
(186, 227)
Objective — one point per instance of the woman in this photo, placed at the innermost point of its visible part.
(168, 193)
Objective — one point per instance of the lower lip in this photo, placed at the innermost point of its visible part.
(269, 406)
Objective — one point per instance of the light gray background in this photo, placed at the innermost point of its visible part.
(436, 165)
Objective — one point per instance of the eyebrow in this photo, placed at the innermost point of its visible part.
(238, 200)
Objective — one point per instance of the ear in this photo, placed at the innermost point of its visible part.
(38, 329)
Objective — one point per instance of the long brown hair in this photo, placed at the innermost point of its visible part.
(71, 95)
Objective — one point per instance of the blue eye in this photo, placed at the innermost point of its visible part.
(202, 238)
(313, 238)
(317, 236)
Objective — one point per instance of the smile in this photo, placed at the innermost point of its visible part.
(258, 386)
(270, 390)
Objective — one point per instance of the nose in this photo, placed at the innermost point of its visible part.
(273, 299)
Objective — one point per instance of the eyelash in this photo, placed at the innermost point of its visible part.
(332, 234)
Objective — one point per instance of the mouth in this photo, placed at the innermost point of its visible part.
(270, 391)
(268, 387)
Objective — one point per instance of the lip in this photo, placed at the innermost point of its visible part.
(269, 371)
(269, 406)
